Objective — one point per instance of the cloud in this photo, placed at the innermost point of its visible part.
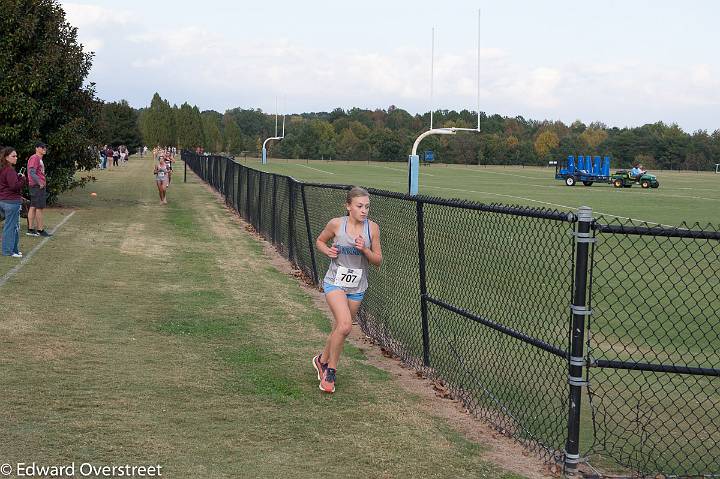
(93, 22)
(84, 15)
(212, 70)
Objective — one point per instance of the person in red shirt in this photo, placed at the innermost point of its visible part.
(11, 184)
(38, 191)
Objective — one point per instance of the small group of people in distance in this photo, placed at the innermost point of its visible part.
(113, 156)
(12, 183)
(164, 158)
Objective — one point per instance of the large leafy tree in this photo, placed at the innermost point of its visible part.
(233, 135)
(158, 123)
(119, 125)
(42, 91)
(189, 127)
(545, 143)
(212, 129)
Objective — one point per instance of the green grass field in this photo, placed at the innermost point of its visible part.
(522, 280)
(149, 334)
(682, 196)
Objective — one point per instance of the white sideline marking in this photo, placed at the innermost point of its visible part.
(498, 173)
(551, 204)
(399, 170)
(690, 197)
(305, 166)
(26, 258)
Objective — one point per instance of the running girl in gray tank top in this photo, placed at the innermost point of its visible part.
(348, 270)
(355, 245)
(161, 179)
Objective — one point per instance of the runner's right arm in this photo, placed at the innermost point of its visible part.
(326, 235)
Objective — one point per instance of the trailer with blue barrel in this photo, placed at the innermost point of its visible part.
(585, 168)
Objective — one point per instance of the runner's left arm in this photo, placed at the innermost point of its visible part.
(374, 253)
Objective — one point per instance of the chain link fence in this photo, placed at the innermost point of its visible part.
(593, 342)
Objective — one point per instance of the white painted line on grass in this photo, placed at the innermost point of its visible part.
(499, 194)
(305, 166)
(550, 204)
(399, 170)
(496, 173)
(688, 197)
(27, 257)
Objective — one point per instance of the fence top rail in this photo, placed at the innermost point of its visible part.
(220, 157)
(515, 210)
(671, 232)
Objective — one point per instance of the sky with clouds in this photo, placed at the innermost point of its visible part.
(623, 63)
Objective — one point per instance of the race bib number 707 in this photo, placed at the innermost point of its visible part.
(348, 278)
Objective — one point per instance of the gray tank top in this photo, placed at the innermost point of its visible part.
(162, 172)
(349, 257)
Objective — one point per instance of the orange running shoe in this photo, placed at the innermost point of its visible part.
(328, 382)
(319, 367)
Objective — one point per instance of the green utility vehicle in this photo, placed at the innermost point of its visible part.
(624, 179)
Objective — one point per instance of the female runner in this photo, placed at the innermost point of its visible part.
(355, 244)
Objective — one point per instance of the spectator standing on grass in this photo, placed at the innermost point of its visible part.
(108, 156)
(116, 156)
(103, 157)
(11, 183)
(38, 191)
(355, 245)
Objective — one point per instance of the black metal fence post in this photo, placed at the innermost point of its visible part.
(309, 235)
(423, 284)
(227, 183)
(238, 188)
(184, 157)
(576, 359)
(258, 227)
(291, 221)
(247, 196)
(273, 222)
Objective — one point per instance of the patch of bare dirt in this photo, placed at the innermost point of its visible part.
(137, 243)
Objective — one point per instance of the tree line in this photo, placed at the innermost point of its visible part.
(388, 135)
(44, 96)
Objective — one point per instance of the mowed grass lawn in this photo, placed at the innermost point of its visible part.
(661, 310)
(682, 196)
(144, 334)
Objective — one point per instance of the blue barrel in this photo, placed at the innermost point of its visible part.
(606, 166)
(597, 170)
(571, 164)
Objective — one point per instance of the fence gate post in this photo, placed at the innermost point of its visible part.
(309, 235)
(423, 284)
(576, 359)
